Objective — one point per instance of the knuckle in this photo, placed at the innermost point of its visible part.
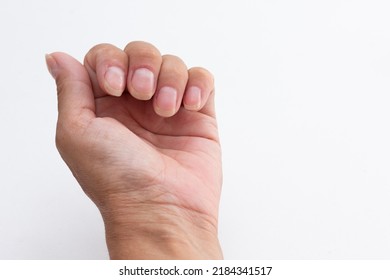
(142, 49)
(174, 64)
(174, 59)
(202, 72)
(100, 48)
(98, 52)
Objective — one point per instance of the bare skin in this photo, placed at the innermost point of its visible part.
(138, 131)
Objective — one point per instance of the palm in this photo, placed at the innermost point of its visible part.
(180, 153)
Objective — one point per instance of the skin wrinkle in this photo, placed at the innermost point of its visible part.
(154, 132)
(151, 136)
(192, 217)
(162, 192)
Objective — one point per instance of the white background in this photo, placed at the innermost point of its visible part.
(303, 107)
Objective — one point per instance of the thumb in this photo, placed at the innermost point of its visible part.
(76, 106)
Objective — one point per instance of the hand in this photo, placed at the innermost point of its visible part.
(139, 133)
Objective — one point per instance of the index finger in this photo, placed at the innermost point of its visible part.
(107, 68)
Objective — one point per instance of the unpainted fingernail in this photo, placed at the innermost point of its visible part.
(143, 83)
(115, 80)
(51, 65)
(192, 99)
(166, 101)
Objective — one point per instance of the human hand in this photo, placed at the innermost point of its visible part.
(138, 131)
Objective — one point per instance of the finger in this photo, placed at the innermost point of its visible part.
(107, 68)
(199, 87)
(144, 66)
(171, 85)
(76, 106)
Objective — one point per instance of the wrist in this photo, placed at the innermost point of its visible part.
(160, 232)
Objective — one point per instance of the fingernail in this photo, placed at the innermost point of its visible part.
(51, 65)
(192, 98)
(115, 80)
(143, 82)
(166, 101)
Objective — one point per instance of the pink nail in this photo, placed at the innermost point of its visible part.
(193, 98)
(166, 101)
(143, 81)
(115, 80)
